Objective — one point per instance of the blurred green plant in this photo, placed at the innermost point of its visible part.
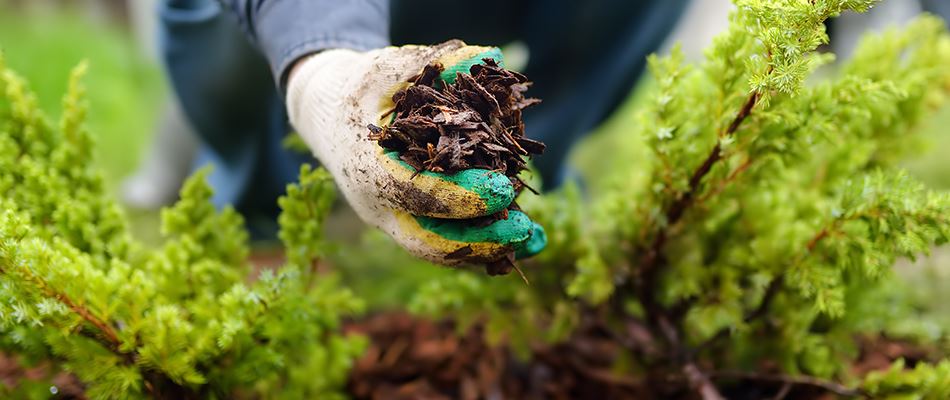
(125, 88)
(180, 321)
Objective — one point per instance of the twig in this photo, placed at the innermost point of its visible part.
(744, 111)
(648, 268)
(730, 179)
(520, 272)
(814, 241)
(697, 380)
(111, 338)
(701, 383)
(833, 387)
(685, 200)
(107, 336)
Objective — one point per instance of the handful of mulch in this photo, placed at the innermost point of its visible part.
(474, 122)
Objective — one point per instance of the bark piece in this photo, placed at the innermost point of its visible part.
(474, 122)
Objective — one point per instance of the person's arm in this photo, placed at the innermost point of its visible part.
(287, 30)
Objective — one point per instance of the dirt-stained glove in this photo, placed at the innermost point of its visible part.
(334, 94)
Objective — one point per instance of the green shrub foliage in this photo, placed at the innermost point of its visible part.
(752, 237)
(761, 221)
(188, 319)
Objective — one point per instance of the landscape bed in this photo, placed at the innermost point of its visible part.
(748, 251)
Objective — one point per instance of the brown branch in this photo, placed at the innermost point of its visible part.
(685, 200)
(810, 381)
(730, 179)
(107, 336)
(648, 268)
(814, 241)
(744, 111)
(111, 338)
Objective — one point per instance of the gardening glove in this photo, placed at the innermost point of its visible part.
(331, 98)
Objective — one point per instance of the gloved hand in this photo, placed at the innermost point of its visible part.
(334, 94)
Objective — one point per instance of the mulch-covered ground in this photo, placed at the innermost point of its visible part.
(412, 358)
(415, 358)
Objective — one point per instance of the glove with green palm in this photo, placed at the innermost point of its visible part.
(333, 94)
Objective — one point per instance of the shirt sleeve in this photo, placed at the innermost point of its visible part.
(286, 30)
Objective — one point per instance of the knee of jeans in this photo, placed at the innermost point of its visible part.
(184, 12)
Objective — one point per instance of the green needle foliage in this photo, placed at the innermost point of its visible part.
(762, 224)
(753, 239)
(190, 319)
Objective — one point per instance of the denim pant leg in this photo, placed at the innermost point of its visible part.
(228, 94)
(939, 7)
(584, 56)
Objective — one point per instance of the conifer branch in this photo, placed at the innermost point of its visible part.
(733, 176)
(111, 339)
(648, 269)
(651, 256)
(107, 335)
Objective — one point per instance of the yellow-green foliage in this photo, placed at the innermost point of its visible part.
(189, 319)
(759, 227)
(765, 220)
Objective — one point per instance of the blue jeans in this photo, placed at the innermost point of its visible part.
(585, 57)
(939, 7)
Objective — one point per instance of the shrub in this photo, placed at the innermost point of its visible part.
(747, 250)
(188, 319)
(753, 240)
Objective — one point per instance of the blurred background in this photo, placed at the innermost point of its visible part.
(145, 145)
